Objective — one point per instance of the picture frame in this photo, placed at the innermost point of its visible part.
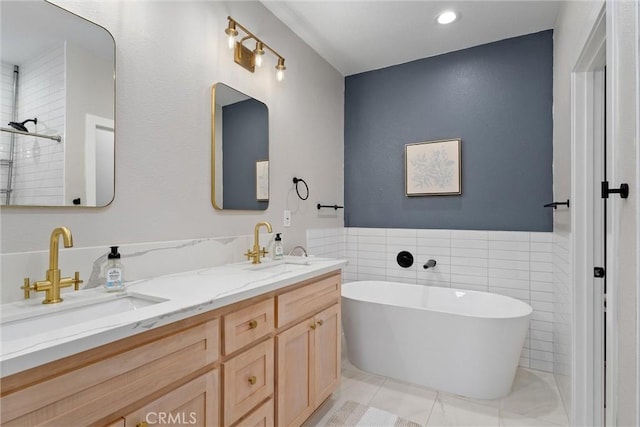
(433, 168)
(262, 180)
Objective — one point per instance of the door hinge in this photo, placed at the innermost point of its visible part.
(598, 272)
(623, 190)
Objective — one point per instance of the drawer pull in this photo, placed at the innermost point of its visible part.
(253, 324)
(313, 326)
(252, 379)
(320, 322)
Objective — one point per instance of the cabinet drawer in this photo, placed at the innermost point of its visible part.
(304, 301)
(261, 417)
(244, 326)
(95, 390)
(195, 403)
(248, 380)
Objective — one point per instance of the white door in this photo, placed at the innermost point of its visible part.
(99, 160)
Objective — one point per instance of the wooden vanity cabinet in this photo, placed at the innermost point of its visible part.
(269, 360)
(100, 386)
(308, 350)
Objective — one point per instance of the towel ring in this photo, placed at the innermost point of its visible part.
(296, 181)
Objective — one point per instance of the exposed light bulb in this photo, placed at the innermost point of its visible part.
(232, 33)
(280, 70)
(447, 17)
(258, 54)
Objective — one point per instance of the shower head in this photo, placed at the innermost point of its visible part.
(21, 126)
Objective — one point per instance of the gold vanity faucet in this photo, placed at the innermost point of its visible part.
(256, 253)
(53, 283)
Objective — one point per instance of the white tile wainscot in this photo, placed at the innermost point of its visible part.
(563, 303)
(513, 263)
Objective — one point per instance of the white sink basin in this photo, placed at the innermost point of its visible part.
(49, 318)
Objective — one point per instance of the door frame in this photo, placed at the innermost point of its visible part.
(587, 393)
(637, 194)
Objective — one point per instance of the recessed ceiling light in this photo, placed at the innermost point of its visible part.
(447, 17)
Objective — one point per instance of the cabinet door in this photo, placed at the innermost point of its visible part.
(195, 403)
(327, 353)
(295, 374)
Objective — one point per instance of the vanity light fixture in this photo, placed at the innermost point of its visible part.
(246, 57)
(447, 17)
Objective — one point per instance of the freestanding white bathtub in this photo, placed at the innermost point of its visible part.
(462, 342)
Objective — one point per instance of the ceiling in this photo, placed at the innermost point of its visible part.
(358, 36)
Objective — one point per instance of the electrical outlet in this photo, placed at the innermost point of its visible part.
(287, 218)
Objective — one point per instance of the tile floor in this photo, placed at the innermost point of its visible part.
(534, 401)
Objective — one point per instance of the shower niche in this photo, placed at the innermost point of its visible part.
(58, 108)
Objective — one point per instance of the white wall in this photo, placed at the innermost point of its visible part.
(623, 40)
(168, 55)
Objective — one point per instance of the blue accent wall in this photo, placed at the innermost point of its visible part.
(245, 132)
(496, 97)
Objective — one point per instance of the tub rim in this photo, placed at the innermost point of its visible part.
(525, 305)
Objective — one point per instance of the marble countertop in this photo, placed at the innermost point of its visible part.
(173, 297)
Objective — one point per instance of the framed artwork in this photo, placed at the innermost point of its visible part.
(262, 180)
(433, 168)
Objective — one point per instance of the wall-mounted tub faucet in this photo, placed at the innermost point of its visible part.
(430, 264)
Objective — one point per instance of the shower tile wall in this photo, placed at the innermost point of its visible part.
(39, 162)
(517, 264)
(6, 106)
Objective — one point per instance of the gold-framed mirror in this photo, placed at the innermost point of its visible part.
(57, 145)
(239, 150)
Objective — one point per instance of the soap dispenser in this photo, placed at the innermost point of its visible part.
(278, 251)
(113, 271)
